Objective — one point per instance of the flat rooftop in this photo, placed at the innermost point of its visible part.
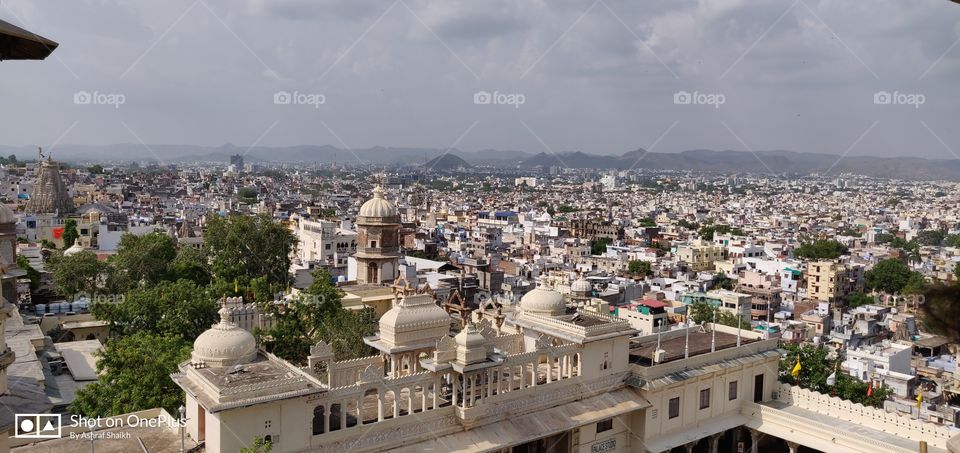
(641, 353)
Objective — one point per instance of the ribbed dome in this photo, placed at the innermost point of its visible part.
(73, 250)
(581, 285)
(7, 215)
(543, 301)
(224, 344)
(378, 206)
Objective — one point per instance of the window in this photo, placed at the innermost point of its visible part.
(604, 425)
(326, 246)
(373, 244)
(732, 391)
(267, 424)
(673, 409)
(704, 398)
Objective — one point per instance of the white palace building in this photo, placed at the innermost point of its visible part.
(549, 379)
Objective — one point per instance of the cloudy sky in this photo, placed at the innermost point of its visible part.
(876, 77)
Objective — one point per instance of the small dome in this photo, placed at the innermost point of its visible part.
(73, 250)
(6, 215)
(543, 301)
(224, 344)
(378, 206)
(581, 286)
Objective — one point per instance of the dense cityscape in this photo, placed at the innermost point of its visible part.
(648, 227)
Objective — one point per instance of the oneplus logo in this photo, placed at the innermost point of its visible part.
(38, 426)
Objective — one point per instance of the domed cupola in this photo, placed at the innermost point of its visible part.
(543, 301)
(224, 344)
(581, 288)
(378, 206)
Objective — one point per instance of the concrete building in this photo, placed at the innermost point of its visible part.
(831, 281)
(699, 256)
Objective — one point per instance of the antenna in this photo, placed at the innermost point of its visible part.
(686, 342)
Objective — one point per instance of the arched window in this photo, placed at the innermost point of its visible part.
(335, 417)
(319, 417)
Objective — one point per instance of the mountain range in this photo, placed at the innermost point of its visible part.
(773, 161)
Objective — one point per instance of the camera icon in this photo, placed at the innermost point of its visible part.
(38, 426)
(482, 98)
(82, 98)
(682, 98)
(282, 98)
(882, 98)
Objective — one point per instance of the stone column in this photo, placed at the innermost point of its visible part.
(794, 447)
(689, 446)
(715, 442)
(754, 439)
(379, 407)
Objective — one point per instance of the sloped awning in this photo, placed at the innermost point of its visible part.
(518, 430)
(19, 44)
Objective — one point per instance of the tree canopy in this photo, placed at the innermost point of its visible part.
(317, 315)
(178, 309)
(639, 267)
(816, 367)
(893, 277)
(80, 272)
(141, 260)
(134, 374)
(821, 250)
(242, 247)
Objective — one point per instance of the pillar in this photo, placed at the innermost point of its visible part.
(379, 407)
(715, 442)
(794, 447)
(754, 440)
(689, 446)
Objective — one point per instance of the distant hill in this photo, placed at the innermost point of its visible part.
(447, 162)
(775, 161)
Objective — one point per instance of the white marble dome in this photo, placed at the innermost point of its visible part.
(543, 301)
(6, 215)
(224, 344)
(581, 286)
(378, 206)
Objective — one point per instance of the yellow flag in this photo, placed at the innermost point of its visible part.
(796, 368)
(919, 398)
(236, 286)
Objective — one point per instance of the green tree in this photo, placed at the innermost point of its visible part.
(190, 264)
(890, 276)
(821, 250)
(95, 169)
(70, 233)
(703, 312)
(952, 240)
(639, 267)
(80, 272)
(141, 260)
(930, 237)
(134, 375)
(317, 314)
(32, 274)
(241, 247)
(599, 246)
(857, 299)
(721, 281)
(178, 309)
(258, 446)
(816, 367)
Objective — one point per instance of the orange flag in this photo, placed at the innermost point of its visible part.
(870, 389)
